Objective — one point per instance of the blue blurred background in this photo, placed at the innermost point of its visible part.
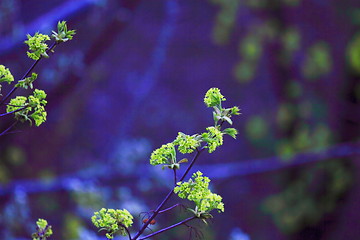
(136, 73)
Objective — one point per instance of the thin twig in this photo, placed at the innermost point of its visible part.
(27, 73)
(156, 212)
(192, 163)
(174, 176)
(168, 228)
(17, 110)
(126, 229)
(167, 209)
(11, 126)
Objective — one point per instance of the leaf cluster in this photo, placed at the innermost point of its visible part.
(32, 108)
(43, 230)
(27, 82)
(5, 76)
(112, 221)
(29, 108)
(63, 34)
(37, 45)
(197, 190)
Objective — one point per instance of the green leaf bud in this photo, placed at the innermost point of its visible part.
(166, 154)
(27, 82)
(197, 190)
(231, 131)
(37, 45)
(63, 34)
(213, 97)
(43, 230)
(186, 143)
(33, 107)
(113, 221)
(5, 75)
(213, 137)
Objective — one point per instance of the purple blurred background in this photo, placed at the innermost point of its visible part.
(135, 75)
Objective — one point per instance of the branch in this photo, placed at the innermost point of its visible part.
(27, 73)
(11, 126)
(168, 228)
(45, 22)
(167, 209)
(156, 212)
(174, 176)
(192, 163)
(17, 110)
(126, 229)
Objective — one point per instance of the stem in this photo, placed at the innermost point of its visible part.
(192, 163)
(127, 230)
(6, 130)
(167, 209)
(174, 176)
(17, 110)
(26, 74)
(168, 228)
(156, 212)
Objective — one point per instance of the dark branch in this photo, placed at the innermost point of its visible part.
(156, 212)
(168, 228)
(167, 209)
(27, 73)
(17, 110)
(8, 129)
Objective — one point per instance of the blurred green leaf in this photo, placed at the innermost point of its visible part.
(318, 61)
(353, 53)
(250, 48)
(244, 71)
(256, 127)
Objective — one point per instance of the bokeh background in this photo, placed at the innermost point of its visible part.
(136, 73)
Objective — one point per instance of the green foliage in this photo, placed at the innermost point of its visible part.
(304, 201)
(225, 20)
(112, 221)
(115, 221)
(187, 143)
(37, 45)
(231, 132)
(318, 61)
(286, 115)
(33, 107)
(244, 71)
(18, 103)
(43, 230)
(27, 82)
(5, 76)
(71, 227)
(197, 190)
(29, 108)
(213, 137)
(37, 102)
(305, 138)
(213, 97)
(256, 127)
(63, 34)
(165, 154)
(250, 48)
(15, 155)
(353, 53)
(291, 39)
